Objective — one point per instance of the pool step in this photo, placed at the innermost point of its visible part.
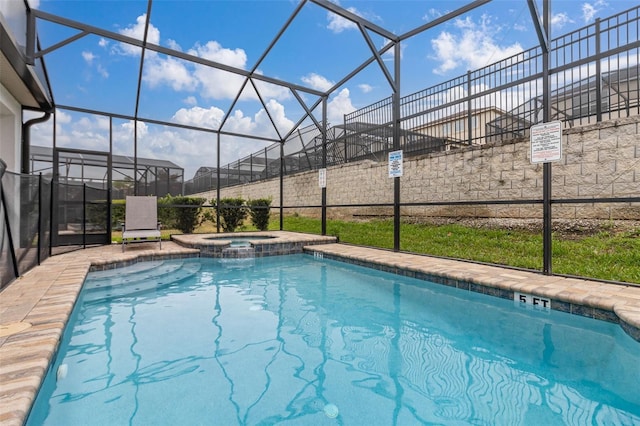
(128, 283)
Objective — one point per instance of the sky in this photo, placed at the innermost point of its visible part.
(316, 51)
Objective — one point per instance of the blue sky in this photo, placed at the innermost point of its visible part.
(316, 51)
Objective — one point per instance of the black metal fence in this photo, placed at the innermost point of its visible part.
(37, 214)
(594, 77)
(24, 224)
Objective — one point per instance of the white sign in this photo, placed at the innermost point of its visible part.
(395, 164)
(546, 142)
(322, 178)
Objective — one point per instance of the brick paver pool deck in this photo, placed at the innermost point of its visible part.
(35, 308)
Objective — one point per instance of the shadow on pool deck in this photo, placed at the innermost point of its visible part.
(35, 308)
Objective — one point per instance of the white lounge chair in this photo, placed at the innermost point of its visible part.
(141, 221)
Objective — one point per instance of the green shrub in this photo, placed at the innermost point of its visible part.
(232, 211)
(176, 213)
(117, 213)
(260, 211)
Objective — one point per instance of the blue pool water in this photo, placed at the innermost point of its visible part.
(303, 341)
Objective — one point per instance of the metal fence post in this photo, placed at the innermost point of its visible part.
(598, 75)
(39, 216)
(546, 168)
(469, 115)
(324, 165)
(84, 215)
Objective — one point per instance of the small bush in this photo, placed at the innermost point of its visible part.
(232, 211)
(260, 211)
(176, 213)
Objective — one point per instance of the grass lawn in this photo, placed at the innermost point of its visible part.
(607, 255)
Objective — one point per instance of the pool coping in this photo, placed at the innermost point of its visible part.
(263, 243)
(35, 308)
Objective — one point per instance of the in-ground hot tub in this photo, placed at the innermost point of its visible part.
(250, 244)
(242, 241)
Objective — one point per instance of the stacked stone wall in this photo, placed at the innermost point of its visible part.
(599, 161)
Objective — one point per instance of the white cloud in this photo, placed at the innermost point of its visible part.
(519, 27)
(590, 10)
(365, 88)
(172, 44)
(559, 20)
(338, 24)
(216, 83)
(278, 115)
(214, 51)
(137, 31)
(473, 48)
(170, 71)
(88, 57)
(190, 100)
(62, 117)
(432, 13)
(103, 42)
(317, 82)
(238, 122)
(199, 117)
(102, 71)
(338, 106)
(184, 76)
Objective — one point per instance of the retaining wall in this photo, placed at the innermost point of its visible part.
(598, 161)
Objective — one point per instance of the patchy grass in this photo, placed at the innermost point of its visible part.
(606, 255)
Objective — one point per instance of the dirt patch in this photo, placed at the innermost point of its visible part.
(568, 228)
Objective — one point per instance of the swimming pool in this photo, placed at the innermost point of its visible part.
(308, 341)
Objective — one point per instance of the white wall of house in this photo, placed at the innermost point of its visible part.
(10, 130)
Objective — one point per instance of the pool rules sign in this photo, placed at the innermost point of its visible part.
(395, 164)
(546, 142)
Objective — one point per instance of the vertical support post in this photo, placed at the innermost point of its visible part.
(281, 185)
(346, 143)
(266, 164)
(109, 182)
(396, 146)
(598, 74)
(546, 171)
(31, 37)
(251, 167)
(52, 222)
(39, 215)
(135, 157)
(84, 215)
(324, 164)
(469, 114)
(109, 215)
(218, 187)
